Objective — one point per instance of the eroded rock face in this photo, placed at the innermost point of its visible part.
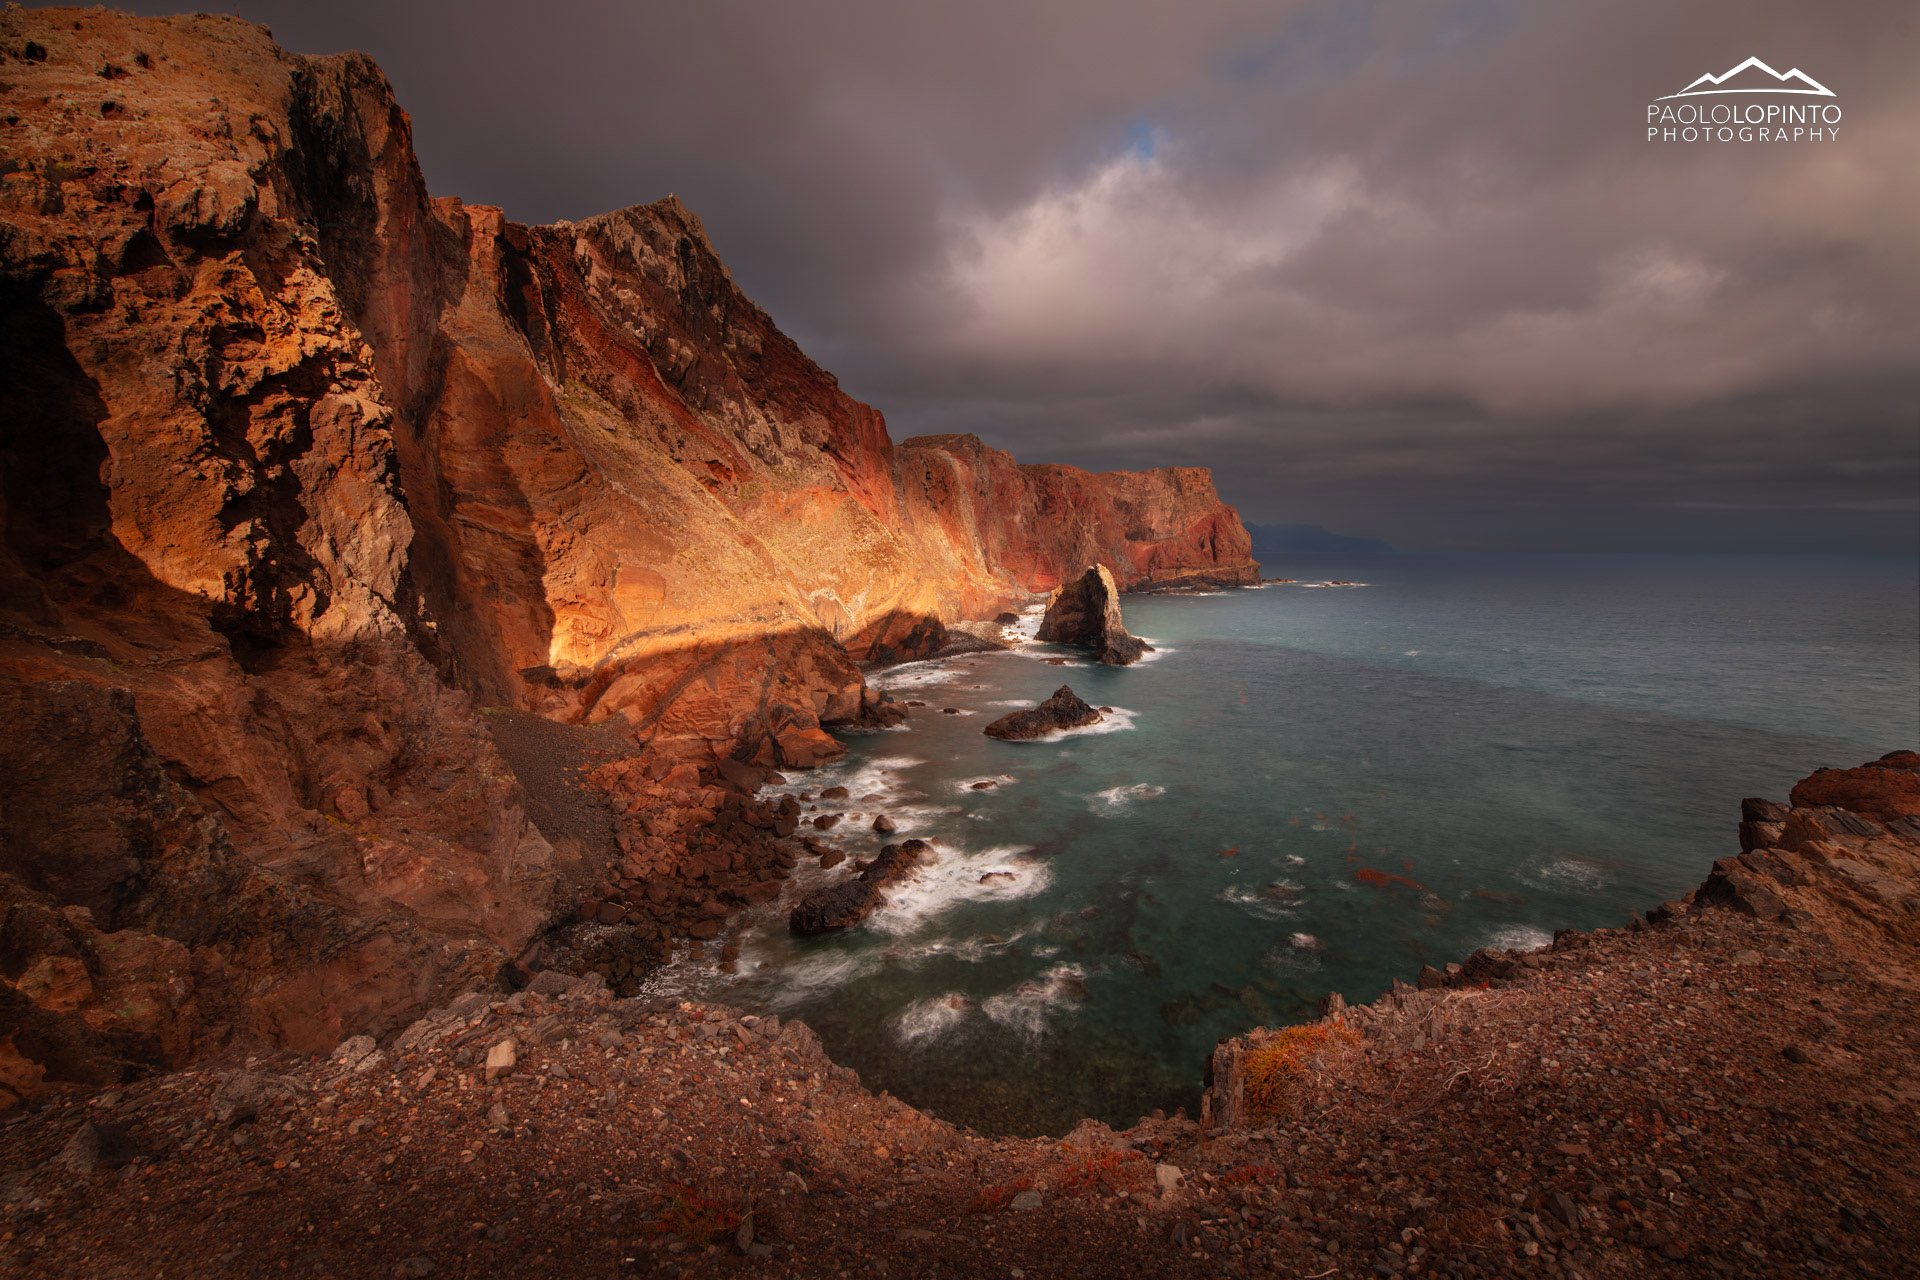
(300, 467)
(1086, 612)
(1885, 788)
(1064, 710)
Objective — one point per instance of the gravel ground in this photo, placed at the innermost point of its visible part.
(1717, 1094)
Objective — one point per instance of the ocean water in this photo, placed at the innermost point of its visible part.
(1311, 789)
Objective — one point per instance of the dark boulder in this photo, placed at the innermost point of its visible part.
(848, 902)
(1064, 710)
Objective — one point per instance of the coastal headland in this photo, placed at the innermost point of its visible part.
(390, 589)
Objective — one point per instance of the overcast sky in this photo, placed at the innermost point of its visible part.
(1404, 270)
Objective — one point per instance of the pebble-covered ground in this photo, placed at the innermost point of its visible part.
(1732, 1091)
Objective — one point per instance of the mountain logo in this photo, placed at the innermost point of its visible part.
(1734, 81)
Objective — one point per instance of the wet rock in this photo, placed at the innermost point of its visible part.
(843, 905)
(836, 906)
(1064, 710)
(1086, 612)
(885, 825)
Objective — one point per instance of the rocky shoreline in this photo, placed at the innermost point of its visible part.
(1726, 1087)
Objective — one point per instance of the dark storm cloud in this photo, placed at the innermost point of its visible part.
(1403, 269)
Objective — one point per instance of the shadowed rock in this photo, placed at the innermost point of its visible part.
(1064, 710)
(843, 905)
(1086, 612)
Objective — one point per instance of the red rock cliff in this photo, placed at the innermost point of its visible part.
(302, 465)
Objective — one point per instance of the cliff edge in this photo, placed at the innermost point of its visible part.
(315, 487)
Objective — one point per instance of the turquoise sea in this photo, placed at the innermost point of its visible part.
(1311, 789)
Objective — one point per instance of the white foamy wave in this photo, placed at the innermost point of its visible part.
(1270, 902)
(972, 786)
(1118, 720)
(1052, 656)
(1116, 799)
(1028, 1006)
(916, 675)
(1028, 625)
(1570, 873)
(1010, 702)
(1154, 654)
(876, 777)
(1303, 942)
(1520, 937)
(999, 874)
(806, 977)
(1294, 860)
(927, 1020)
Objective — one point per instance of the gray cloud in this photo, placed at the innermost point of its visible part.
(1403, 269)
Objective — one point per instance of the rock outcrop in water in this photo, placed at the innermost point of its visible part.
(1086, 612)
(1064, 710)
(313, 482)
(843, 905)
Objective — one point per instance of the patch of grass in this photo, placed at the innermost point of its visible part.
(1276, 1069)
(1115, 1168)
(991, 1198)
(694, 1217)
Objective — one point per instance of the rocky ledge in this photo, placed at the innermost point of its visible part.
(1727, 1087)
(1064, 710)
(1086, 612)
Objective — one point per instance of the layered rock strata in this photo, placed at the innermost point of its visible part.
(1086, 612)
(302, 469)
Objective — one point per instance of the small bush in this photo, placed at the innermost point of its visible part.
(693, 1217)
(1276, 1068)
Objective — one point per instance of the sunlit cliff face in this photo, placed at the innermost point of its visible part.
(1414, 267)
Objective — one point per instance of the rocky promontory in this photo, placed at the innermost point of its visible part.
(1065, 709)
(320, 489)
(1719, 1088)
(1086, 612)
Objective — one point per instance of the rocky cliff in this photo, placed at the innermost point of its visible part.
(1725, 1088)
(304, 470)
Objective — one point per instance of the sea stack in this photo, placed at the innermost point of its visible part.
(1064, 710)
(1086, 612)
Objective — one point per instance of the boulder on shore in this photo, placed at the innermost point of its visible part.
(847, 903)
(1064, 710)
(1086, 612)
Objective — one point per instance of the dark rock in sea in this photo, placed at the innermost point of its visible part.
(834, 793)
(1007, 618)
(885, 825)
(1064, 710)
(843, 905)
(837, 906)
(1086, 612)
